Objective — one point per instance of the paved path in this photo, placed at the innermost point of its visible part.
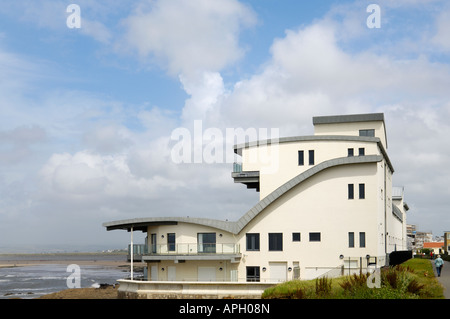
(444, 279)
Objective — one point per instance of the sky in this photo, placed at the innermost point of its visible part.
(94, 97)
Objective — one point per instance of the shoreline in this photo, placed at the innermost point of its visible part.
(104, 260)
(22, 260)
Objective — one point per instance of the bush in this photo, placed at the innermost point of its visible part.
(406, 281)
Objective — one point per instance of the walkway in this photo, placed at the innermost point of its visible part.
(444, 279)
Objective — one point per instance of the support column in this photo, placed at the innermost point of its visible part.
(132, 253)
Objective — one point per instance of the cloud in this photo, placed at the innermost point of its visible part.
(188, 36)
(441, 38)
(16, 145)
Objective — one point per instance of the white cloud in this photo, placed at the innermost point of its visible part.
(441, 38)
(188, 36)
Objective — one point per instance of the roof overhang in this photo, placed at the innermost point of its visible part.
(142, 224)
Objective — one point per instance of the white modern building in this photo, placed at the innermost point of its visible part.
(327, 207)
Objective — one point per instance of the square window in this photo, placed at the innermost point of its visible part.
(350, 152)
(275, 241)
(362, 151)
(252, 242)
(295, 236)
(253, 274)
(314, 236)
(206, 242)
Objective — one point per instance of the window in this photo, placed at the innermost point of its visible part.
(370, 133)
(153, 243)
(351, 194)
(171, 242)
(362, 240)
(350, 152)
(253, 274)
(362, 191)
(362, 151)
(206, 242)
(295, 236)
(275, 242)
(253, 242)
(351, 240)
(314, 236)
(301, 158)
(311, 157)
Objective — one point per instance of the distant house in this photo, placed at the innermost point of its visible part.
(327, 206)
(435, 247)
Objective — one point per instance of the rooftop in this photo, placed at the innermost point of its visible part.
(370, 117)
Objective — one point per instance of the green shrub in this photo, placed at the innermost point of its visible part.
(411, 280)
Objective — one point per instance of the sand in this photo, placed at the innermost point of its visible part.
(109, 292)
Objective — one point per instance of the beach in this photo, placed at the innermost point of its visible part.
(20, 260)
(44, 276)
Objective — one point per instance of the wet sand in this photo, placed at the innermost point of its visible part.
(114, 261)
(18, 260)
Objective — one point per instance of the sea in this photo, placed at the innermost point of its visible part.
(32, 281)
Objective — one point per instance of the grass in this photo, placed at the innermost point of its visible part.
(414, 279)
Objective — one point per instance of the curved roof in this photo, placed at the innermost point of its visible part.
(237, 226)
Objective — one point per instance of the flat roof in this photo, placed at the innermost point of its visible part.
(369, 117)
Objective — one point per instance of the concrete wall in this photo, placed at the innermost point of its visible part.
(129, 289)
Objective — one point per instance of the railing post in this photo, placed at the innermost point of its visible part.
(132, 253)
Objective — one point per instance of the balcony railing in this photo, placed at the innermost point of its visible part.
(237, 167)
(186, 249)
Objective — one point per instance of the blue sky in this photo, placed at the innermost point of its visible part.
(87, 114)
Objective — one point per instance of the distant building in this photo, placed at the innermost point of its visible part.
(435, 247)
(327, 206)
(423, 237)
(447, 241)
(411, 237)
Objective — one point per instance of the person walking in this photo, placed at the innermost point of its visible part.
(439, 263)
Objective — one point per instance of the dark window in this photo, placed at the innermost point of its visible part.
(351, 240)
(295, 236)
(206, 242)
(361, 151)
(253, 274)
(153, 243)
(171, 241)
(370, 133)
(350, 152)
(252, 241)
(362, 240)
(311, 157)
(314, 236)
(275, 242)
(362, 191)
(301, 158)
(351, 194)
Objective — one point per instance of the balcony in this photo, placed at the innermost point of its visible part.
(187, 251)
(249, 178)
